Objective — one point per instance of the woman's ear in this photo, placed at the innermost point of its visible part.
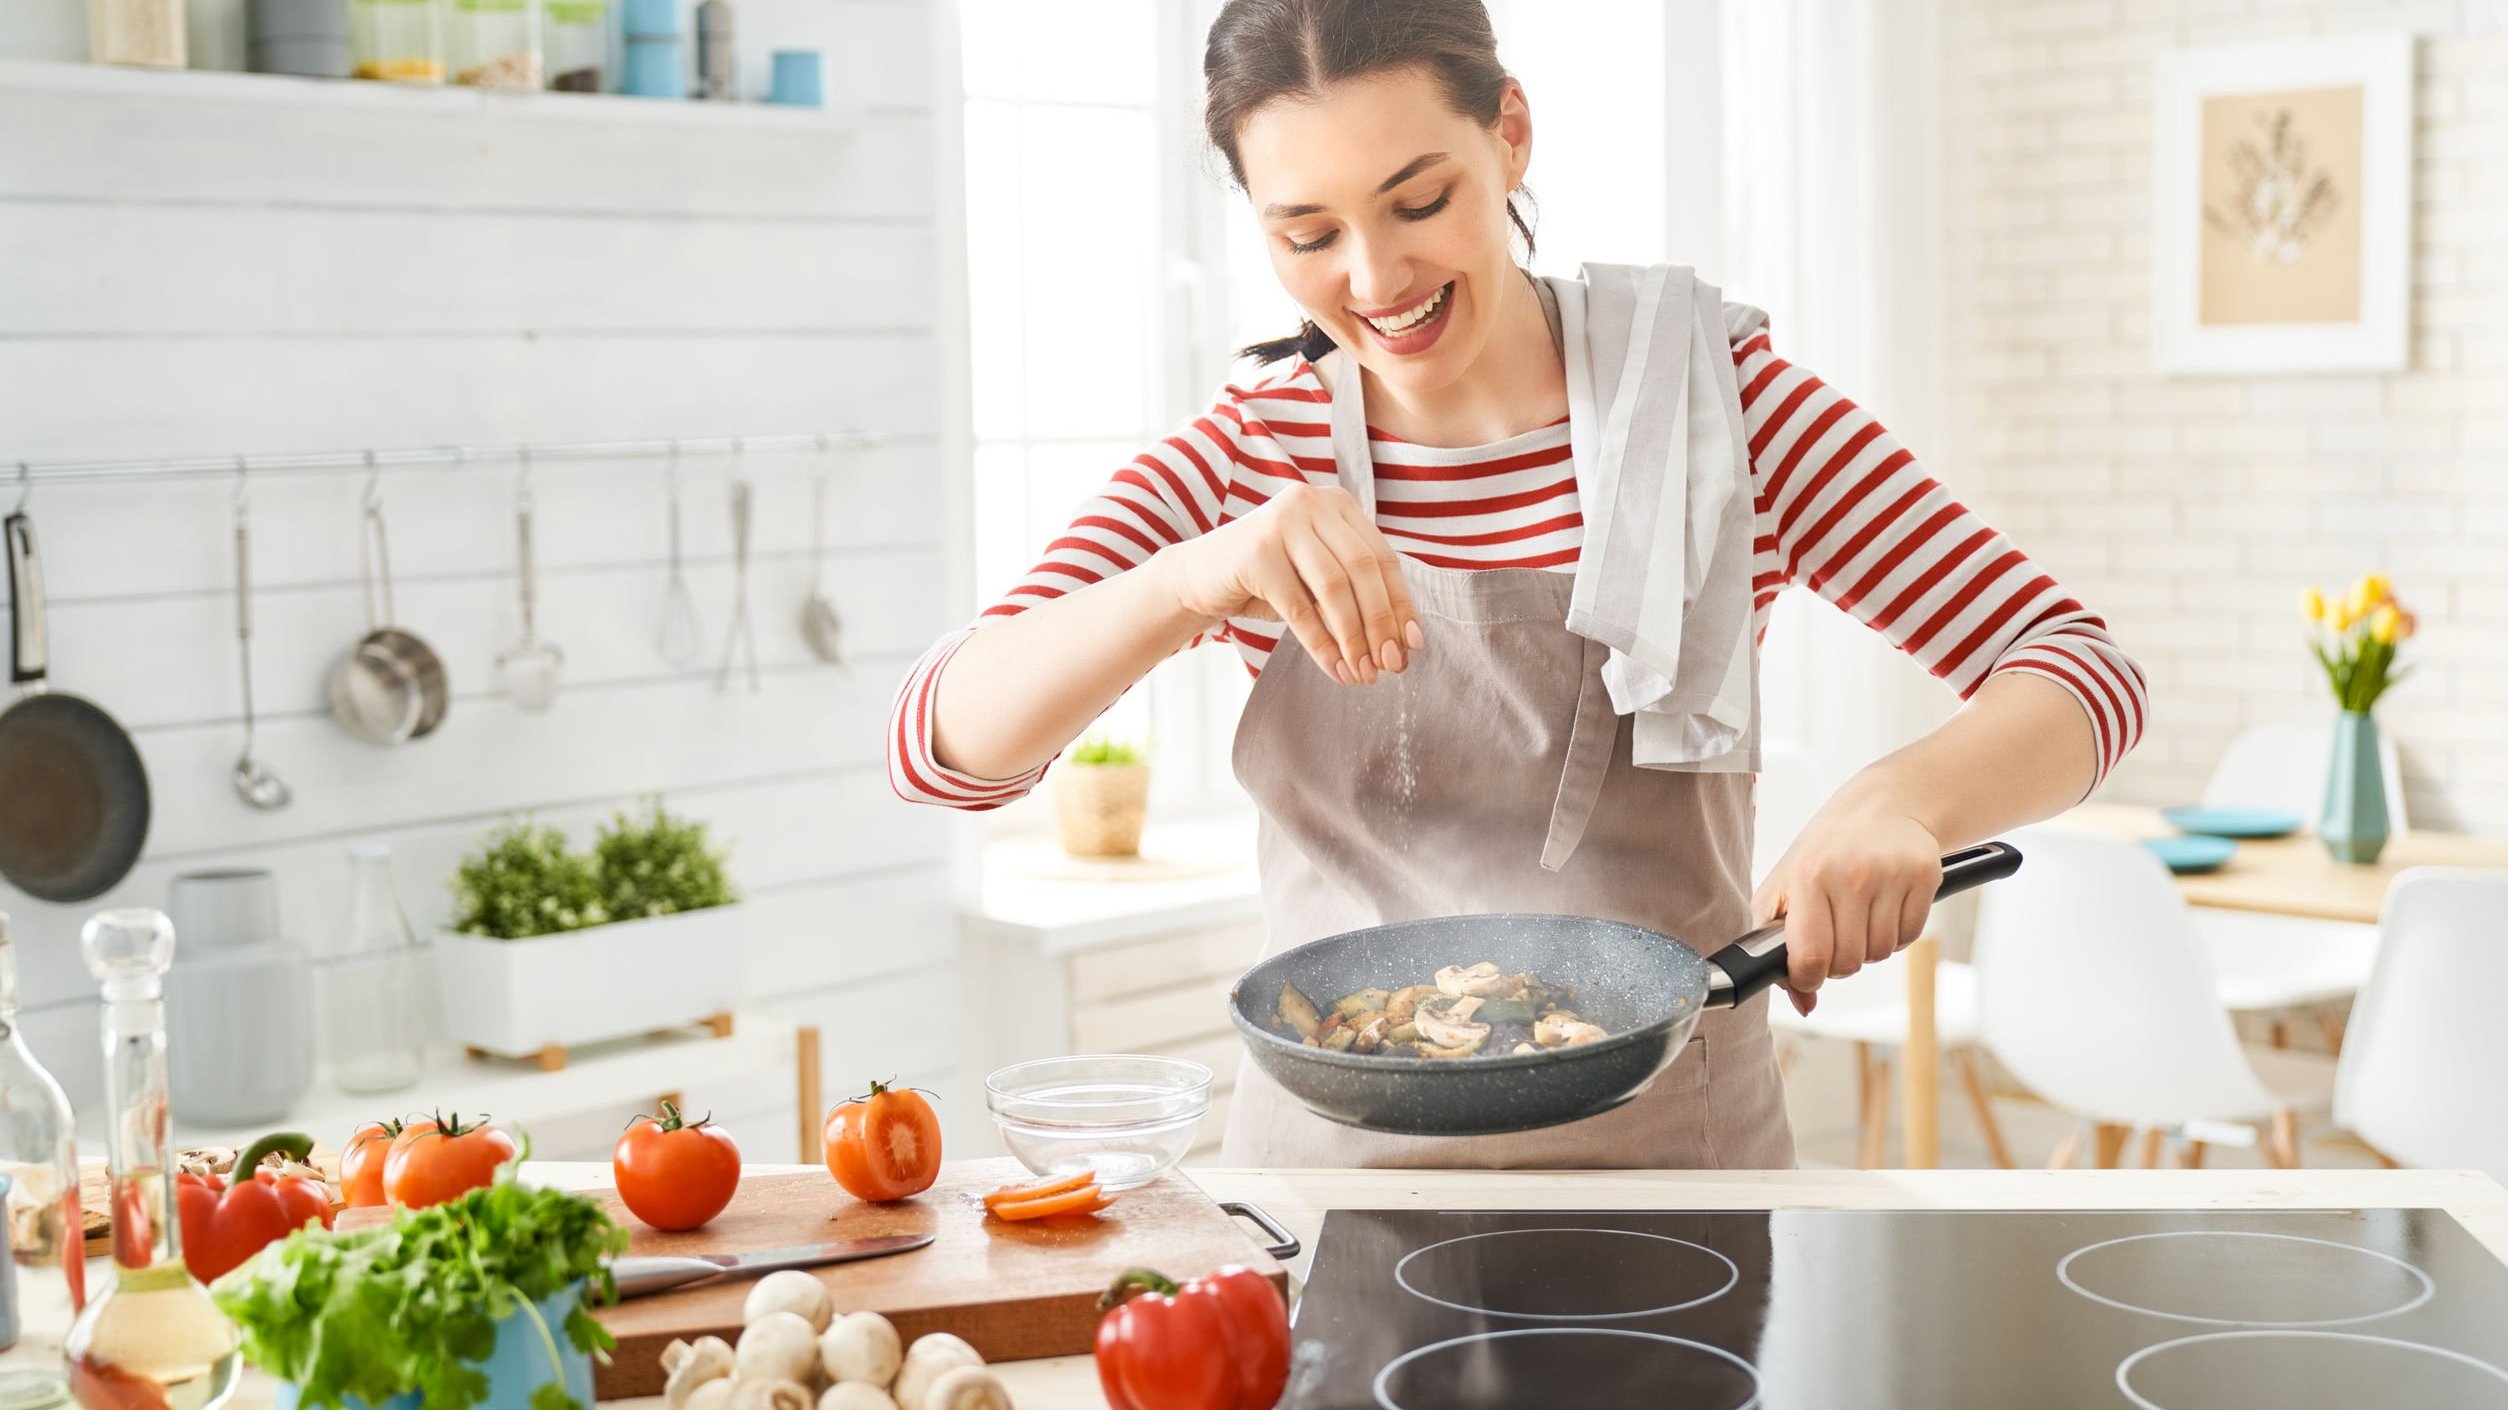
(1515, 132)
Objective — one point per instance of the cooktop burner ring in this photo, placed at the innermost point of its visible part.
(2125, 1368)
(1402, 1276)
(1385, 1400)
(2428, 1288)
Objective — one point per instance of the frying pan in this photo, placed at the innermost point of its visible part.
(1648, 989)
(73, 795)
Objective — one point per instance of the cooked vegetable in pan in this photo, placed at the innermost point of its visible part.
(1469, 1010)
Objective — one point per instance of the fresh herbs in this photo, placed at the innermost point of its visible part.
(524, 881)
(1099, 749)
(377, 1312)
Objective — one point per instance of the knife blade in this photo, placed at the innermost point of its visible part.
(640, 1274)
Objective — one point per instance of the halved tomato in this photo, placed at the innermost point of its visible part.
(884, 1145)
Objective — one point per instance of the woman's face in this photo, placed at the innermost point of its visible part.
(1385, 213)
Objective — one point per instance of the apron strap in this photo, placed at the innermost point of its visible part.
(1590, 739)
(1351, 459)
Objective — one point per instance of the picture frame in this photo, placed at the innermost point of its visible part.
(2282, 235)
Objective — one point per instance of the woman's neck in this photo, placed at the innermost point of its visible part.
(1517, 384)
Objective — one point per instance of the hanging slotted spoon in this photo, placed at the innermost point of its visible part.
(530, 665)
(738, 639)
(254, 782)
(682, 638)
(821, 628)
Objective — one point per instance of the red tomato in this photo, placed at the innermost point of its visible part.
(884, 1146)
(674, 1175)
(1217, 1343)
(431, 1162)
(361, 1166)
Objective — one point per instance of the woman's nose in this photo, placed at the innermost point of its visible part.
(1379, 275)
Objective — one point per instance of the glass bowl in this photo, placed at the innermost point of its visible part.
(1126, 1118)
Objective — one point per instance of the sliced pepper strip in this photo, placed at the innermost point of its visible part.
(1014, 1194)
(1088, 1199)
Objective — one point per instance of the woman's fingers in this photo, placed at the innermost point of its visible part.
(1809, 939)
(1276, 582)
(1881, 930)
(1376, 576)
(1327, 580)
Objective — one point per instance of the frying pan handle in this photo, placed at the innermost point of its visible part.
(28, 653)
(1283, 1243)
(1757, 960)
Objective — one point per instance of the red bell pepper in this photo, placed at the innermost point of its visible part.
(226, 1223)
(1216, 1343)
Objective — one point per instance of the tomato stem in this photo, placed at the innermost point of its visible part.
(1136, 1282)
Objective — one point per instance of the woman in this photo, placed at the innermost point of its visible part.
(1463, 722)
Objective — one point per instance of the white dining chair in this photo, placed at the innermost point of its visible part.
(2093, 991)
(2419, 1078)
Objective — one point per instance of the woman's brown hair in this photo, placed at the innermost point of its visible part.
(1262, 50)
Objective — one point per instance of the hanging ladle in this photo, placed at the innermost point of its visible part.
(530, 665)
(254, 782)
(821, 629)
(682, 639)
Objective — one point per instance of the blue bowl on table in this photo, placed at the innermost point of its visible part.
(517, 1366)
(2191, 853)
(2232, 822)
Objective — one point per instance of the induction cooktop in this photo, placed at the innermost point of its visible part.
(2393, 1309)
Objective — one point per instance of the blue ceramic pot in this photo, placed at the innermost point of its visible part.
(518, 1366)
(2353, 823)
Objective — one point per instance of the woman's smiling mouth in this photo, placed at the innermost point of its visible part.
(1412, 329)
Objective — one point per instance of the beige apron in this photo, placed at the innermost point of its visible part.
(1493, 775)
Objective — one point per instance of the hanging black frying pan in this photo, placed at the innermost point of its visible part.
(73, 795)
(1646, 988)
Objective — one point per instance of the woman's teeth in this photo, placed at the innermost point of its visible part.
(1403, 323)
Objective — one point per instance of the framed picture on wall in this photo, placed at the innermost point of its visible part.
(2284, 206)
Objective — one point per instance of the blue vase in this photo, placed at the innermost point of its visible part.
(2353, 823)
(517, 1366)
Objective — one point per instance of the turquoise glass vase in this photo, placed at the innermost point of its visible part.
(2353, 823)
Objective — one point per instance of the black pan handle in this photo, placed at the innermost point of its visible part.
(27, 654)
(1757, 960)
(1283, 1243)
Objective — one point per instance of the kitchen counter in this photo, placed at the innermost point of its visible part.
(1300, 1198)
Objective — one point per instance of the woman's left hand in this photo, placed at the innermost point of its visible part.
(1854, 889)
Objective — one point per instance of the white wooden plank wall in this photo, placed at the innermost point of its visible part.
(217, 265)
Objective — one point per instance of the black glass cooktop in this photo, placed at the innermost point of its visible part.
(2392, 1309)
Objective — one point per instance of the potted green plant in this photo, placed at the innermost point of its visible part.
(2354, 638)
(549, 947)
(1101, 798)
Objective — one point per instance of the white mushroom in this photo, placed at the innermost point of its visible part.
(777, 1347)
(930, 1358)
(1445, 1028)
(863, 1347)
(790, 1291)
(1522, 1049)
(749, 1394)
(715, 1394)
(1557, 1030)
(1477, 982)
(690, 1365)
(854, 1395)
(967, 1388)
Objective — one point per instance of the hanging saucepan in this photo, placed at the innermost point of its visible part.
(73, 794)
(390, 687)
(1647, 990)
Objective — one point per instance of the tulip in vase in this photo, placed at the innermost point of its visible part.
(2354, 638)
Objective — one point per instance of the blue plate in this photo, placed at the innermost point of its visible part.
(2232, 822)
(2191, 853)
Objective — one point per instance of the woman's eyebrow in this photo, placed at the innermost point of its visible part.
(1412, 168)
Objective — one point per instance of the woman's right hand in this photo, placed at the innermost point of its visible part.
(1310, 559)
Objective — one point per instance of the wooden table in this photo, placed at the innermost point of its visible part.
(2290, 876)
(1299, 1199)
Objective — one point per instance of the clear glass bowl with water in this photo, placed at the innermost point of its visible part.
(1127, 1118)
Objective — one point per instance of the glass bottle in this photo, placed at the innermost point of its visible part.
(152, 1338)
(38, 1150)
(400, 41)
(372, 985)
(494, 43)
(575, 39)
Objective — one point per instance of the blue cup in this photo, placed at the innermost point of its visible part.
(800, 79)
(516, 1366)
(652, 68)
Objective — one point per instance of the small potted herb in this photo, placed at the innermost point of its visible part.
(1101, 798)
(550, 947)
(475, 1302)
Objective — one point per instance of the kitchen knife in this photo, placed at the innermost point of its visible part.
(640, 1274)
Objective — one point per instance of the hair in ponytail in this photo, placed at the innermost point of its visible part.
(1262, 50)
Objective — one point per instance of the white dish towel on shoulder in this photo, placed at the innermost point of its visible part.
(1663, 473)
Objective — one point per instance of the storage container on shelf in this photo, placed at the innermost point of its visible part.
(144, 32)
(575, 44)
(493, 43)
(399, 41)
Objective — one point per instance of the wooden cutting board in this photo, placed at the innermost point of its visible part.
(1012, 1290)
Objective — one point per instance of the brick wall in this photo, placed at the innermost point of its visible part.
(2190, 510)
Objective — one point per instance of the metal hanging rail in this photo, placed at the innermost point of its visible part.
(28, 474)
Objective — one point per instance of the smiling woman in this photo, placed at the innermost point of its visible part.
(1526, 533)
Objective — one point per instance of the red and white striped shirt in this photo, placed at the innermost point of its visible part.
(1841, 508)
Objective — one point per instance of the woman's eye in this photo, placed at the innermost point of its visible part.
(1424, 212)
(1308, 247)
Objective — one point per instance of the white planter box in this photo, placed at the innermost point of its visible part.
(517, 998)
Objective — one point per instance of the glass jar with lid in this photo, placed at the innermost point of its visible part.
(575, 41)
(493, 43)
(400, 41)
(372, 985)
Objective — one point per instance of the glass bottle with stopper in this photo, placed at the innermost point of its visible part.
(152, 1339)
(38, 1150)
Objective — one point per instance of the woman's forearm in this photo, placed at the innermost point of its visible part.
(2020, 751)
(1023, 687)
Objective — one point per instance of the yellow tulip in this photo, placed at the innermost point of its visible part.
(2375, 588)
(2312, 604)
(2386, 624)
(2341, 617)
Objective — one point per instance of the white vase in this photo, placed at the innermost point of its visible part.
(516, 998)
